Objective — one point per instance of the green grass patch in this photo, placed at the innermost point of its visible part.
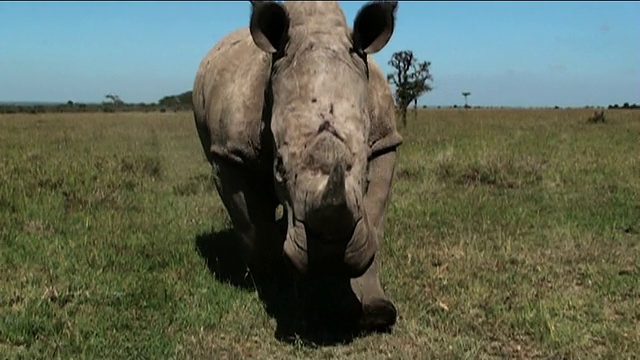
(511, 234)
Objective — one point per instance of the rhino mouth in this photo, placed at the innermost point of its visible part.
(314, 254)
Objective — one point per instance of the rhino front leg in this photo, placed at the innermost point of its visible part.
(378, 311)
(252, 213)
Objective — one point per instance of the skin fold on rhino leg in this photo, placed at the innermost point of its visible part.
(252, 213)
(378, 311)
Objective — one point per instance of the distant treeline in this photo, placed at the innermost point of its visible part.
(178, 102)
(167, 103)
(624, 106)
(89, 108)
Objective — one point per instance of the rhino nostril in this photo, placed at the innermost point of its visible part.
(326, 126)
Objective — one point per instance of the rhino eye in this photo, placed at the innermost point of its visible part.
(279, 168)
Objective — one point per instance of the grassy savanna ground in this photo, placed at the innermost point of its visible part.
(511, 234)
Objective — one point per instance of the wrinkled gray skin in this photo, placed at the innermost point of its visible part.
(294, 111)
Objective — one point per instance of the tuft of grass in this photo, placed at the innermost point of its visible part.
(194, 185)
(497, 170)
(510, 234)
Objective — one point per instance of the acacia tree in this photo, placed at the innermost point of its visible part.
(114, 99)
(410, 79)
(465, 94)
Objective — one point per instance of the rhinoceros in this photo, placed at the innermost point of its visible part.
(293, 111)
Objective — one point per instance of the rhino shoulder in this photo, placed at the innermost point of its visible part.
(383, 134)
(228, 96)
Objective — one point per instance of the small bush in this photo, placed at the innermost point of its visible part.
(597, 117)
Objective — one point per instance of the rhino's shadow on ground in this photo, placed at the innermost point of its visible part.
(304, 314)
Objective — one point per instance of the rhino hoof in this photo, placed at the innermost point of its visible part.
(378, 315)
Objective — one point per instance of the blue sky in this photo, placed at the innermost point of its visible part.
(504, 53)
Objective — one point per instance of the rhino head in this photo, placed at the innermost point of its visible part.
(319, 101)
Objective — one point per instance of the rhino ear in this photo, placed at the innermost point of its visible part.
(269, 25)
(374, 26)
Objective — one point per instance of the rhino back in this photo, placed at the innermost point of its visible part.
(228, 97)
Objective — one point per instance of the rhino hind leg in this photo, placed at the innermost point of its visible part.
(378, 313)
(252, 214)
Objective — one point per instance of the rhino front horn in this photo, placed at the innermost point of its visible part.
(335, 191)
